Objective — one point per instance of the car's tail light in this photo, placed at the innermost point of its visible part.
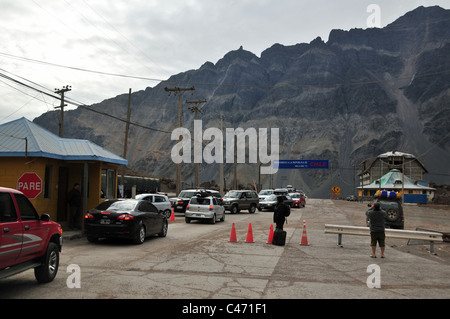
(125, 217)
(187, 207)
(88, 216)
(211, 207)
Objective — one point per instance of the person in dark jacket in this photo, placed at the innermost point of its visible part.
(280, 212)
(74, 200)
(377, 219)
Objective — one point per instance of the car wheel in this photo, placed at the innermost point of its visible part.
(392, 214)
(167, 213)
(223, 217)
(213, 220)
(49, 268)
(187, 220)
(165, 226)
(234, 209)
(140, 236)
(252, 209)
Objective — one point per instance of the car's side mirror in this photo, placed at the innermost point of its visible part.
(45, 217)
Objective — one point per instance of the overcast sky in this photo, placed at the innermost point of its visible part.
(152, 39)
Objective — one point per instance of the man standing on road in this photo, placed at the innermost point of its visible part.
(280, 212)
(377, 218)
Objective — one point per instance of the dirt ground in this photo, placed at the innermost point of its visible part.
(424, 217)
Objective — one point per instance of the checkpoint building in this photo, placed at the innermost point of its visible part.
(45, 167)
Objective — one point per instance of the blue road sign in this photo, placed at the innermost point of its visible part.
(300, 164)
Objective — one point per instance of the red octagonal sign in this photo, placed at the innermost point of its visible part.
(30, 184)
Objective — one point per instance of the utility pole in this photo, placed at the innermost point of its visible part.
(221, 178)
(61, 107)
(178, 91)
(196, 109)
(127, 126)
(125, 143)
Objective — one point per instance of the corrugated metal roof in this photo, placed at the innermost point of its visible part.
(393, 180)
(43, 143)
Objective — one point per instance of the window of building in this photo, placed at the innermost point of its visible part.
(108, 183)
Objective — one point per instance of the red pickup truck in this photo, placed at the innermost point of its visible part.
(27, 240)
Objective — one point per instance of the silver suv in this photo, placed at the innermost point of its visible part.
(203, 206)
(159, 201)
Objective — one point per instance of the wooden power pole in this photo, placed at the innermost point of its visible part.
(61, 107)
(196, 109)
(178, 91)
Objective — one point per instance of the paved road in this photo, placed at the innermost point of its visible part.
(198, 261)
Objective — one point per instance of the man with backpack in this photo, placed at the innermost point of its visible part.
(280, 213)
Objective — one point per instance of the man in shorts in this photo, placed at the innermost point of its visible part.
(377, 218)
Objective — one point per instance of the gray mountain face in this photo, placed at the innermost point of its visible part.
(362, 93)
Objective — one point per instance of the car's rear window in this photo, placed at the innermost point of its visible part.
(200, 201)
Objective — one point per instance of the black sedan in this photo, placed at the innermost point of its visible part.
(128, 218)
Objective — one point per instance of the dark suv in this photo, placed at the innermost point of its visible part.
(394, 210)
(235, 200)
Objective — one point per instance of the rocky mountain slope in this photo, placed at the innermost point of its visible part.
(360, 94)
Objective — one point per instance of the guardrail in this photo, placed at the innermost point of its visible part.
(390, 233)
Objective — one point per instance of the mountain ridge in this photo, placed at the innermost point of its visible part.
(360, 94)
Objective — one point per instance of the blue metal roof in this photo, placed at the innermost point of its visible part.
(21, 137)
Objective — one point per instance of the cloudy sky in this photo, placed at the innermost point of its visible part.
(48, 44)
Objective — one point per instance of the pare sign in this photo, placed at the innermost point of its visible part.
(30, 184)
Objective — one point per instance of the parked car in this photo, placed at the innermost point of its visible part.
(236, 200)
(268, 203)
(128, 218)
(298, 200)
(280, 191)
(179, 203)
(394, 211)
(27, 240)
(204, 206)
(284, 192)
(159, 201)
(263, 194)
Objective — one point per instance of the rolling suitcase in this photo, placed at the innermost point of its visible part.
(279, 237)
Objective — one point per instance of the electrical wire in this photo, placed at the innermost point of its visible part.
(292, 86)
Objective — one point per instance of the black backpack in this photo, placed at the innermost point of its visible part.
(285, 210)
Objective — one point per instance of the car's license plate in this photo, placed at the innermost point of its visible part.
(105, 221)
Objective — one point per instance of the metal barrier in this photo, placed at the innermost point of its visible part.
(390, 233)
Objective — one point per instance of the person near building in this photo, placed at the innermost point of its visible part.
(74, 200)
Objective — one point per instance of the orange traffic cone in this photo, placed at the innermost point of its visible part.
(233, 238)
(304, 241)
(270, 239)
(249, 234)
(172, 216)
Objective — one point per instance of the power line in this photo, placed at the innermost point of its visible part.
(80, 69)
(261, 86)
(79, 104)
